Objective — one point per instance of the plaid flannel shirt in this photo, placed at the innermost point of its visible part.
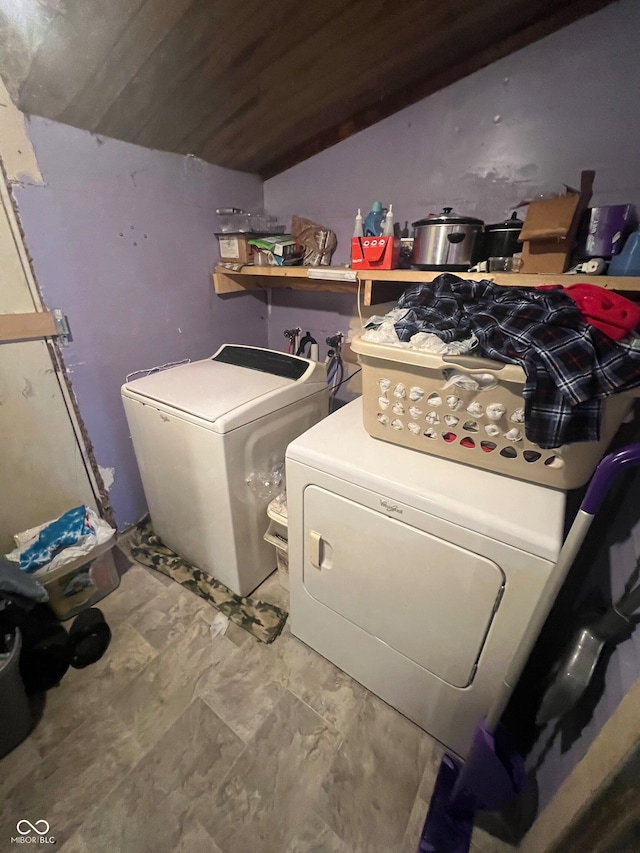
(570, 365)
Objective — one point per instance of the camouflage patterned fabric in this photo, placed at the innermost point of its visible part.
(264, 621)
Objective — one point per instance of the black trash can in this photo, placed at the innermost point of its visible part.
(15, 712)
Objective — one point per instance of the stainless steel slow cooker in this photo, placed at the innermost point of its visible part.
(446, 241)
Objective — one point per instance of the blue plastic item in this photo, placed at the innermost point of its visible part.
(373, 221)
(628, 261)
(57, 535)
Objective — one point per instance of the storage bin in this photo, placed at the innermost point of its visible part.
(82, 582)
(405, 402)
(15, 712)
(278, 534)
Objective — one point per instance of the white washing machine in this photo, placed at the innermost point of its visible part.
(200, 432)
(414, 574)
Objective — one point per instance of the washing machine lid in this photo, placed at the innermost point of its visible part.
(235, 386)
(521, 514)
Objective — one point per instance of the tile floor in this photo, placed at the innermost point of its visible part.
(182, 743)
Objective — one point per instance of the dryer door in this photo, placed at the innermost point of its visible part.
(428, 599)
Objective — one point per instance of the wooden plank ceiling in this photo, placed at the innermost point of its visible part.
(256, 85)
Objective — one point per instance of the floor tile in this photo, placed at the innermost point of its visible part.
(16, 765)
(76, 844)
(165, 688)
(244, 688)
(314, 836)
(137, 587)
(274, 783)
(195, 754)
(74, 777)
(152, 807)
(168, 615)
(421, 804)
(194, 839)
(371, 787)
(82, 693)
(329, 691)
(182, 742)
(137, 817)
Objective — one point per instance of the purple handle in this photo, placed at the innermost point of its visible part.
(605, 473)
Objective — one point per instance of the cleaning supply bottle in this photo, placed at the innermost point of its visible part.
(373, 219)
(388, 229)
(358, 229)
(628, 261)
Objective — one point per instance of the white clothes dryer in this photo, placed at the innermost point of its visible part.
(201, 432)
(414, 574)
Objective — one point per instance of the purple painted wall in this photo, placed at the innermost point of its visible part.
(519, 127)
(122, 241)
(607, 562)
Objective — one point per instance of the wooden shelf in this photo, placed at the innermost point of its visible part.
(387, 285)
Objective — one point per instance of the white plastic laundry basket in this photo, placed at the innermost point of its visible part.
(405, 402)
(278, 534)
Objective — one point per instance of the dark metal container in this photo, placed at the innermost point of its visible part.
(501, 239)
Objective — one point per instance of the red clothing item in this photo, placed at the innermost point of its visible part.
(613, 314)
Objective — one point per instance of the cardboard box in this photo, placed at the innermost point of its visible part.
(278, 251)
(604, 229)
(550, 227)
(375, 253)
(235, 248)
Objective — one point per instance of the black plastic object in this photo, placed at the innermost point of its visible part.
(89, 638)
(266, 361)
(45, 655)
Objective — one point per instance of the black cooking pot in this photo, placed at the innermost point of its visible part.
(501, 239)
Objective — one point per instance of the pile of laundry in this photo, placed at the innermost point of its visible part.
(576, 345)
(47, 649)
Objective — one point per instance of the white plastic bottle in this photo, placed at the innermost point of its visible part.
(358, 230)
(388, 223)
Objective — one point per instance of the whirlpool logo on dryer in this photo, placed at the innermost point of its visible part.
(33, 833)
(391, 507)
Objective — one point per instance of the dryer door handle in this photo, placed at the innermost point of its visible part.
(315, 548)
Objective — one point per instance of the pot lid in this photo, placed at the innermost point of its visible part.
(448, 217)
(511, 224)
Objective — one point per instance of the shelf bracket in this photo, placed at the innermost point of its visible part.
(35, 325)
(62, 327)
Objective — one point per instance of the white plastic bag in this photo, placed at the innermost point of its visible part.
(100, 534)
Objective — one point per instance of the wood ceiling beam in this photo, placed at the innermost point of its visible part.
(145, 32)
(334, 69)
(255, 86)
(230, 80)
(408, 47)
(419, 89)
(75, 46)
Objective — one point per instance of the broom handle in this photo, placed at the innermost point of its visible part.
(601, 482)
